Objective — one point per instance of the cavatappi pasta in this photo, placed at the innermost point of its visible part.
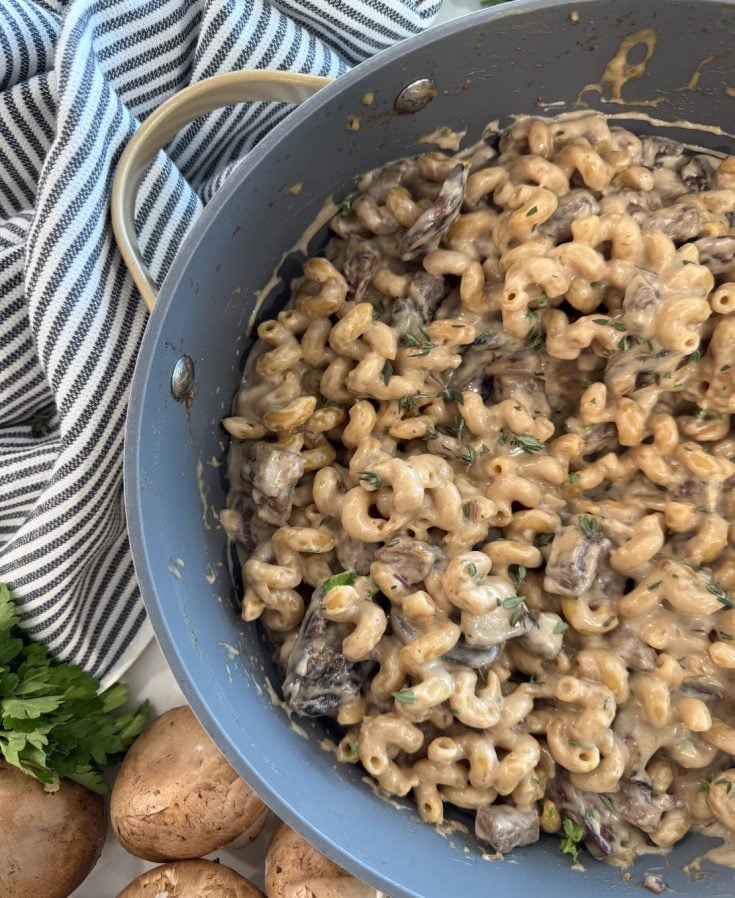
(482, 479)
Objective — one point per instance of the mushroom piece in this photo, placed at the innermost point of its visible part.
(295, 869)
(176, 797)
(49, 841)
(506, 827)
(573, 561)
(190, 879)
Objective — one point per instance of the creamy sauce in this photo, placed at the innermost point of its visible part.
(693, 82)
(232, 652)
(325, 214)
(174, 566)
(368, 98)
(204, 497)
(444, 137)
(295, 189)
(353, 122)
(619, 72)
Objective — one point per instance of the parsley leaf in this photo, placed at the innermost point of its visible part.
(54, 721)
(573, 835)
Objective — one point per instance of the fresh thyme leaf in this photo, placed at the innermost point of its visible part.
(431, 433)
(520, 575)
(482, 337)
(619, 326)
(468, 455)
(532, 211)
(387, 373)
(599, 285)
(723, 781)
(544, 539)
(345, 207)
(512, 601)
(602, 321)
(700, 414)
(573, 835)
(561, 627)
(719, 593)
(472, 569)
(532, 316)
(452, 395)
(574, 477)
(527, 442)
(623, 344)
(466, 509)
(608, 802)
(588, 525)
(54, 720)
(344, 578)
(725, 637)
(694, 356)
(457, 426)
(406, 696)
(423, 343)
(654, 585)
(703, 786)
(371, 478)
(326, 520)
(378, 310)
(407, 403)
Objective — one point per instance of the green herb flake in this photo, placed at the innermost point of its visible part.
(694, 356)
(725, 637)
(371, 478)
(527, 442)
(654, 586)
(405, 696)
(520, 575)
(561, 627)
(512, 601)
(407, 404)
(431, 433)
(387, 373)
(725, 368)
(472, 569)
(536, 341)
(345, 207)
(543, 539)
(703, 788)
(719, 593)
(724, 782)
(573, 835)
(588, 525)
(423, 342)
(574, 477)
(482, 337)
(378, 310)
(326, 520)
(457, 426)
(54, 720)
(601, 321)
(532, 211)
(608, 802)
(451, 395)
(599, 285)
(468, 455)
(344, 578)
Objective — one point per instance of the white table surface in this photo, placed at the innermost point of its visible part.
(149, 677)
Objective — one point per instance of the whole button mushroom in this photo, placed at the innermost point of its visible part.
(49, 841)
(176, 797)
(190, 879)
(295, 869)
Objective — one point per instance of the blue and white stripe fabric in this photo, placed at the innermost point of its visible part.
(75, 80)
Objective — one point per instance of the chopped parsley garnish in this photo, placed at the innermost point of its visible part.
(344, 578)
(527, 442)
(371, 478)
(54, 720)
(387, 373)
(573, 835)
(588, 525)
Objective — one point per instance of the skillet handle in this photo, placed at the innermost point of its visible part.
(161, 126)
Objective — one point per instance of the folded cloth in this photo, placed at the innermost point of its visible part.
(75, 80)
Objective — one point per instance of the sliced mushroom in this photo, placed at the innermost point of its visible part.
(411, 559)
(544, 635)
(274, 476)
(573, 561)
(506, 827)
(361, 261)
(698, 173)
(319, 677)
(638, 804)
(680, 221)
(632, 649)
(660, 152)
(462, 653)
(572, 205)
(354, 555)
(717, 253)
(425, 234)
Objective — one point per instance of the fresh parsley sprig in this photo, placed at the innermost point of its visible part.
(54, 720)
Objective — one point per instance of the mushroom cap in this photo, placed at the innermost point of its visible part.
(291, 860)
(49, 841)
(190, 879)
(176, 797)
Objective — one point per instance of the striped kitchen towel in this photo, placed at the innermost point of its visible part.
(76, 76)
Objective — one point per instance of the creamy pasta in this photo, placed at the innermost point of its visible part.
(482, 481)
